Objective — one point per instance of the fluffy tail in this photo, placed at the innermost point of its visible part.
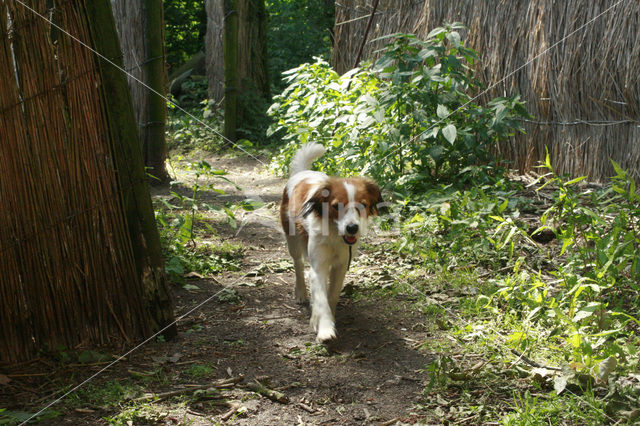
(306, 155)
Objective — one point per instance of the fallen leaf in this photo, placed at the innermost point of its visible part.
(605, 368)
(175, 357)
(4, 380)
(193, 275)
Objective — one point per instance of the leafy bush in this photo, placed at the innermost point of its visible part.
(181, 221)
(449, 227)
(298, 30)
(185, 27)
(573, 301)
(590, 308)
(186, 133)
(408, 119)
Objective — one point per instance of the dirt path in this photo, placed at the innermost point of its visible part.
(373, 373)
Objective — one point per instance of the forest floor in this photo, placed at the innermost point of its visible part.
(246, 329)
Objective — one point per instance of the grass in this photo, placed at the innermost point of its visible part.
(108, 394)
(497, 307)
(199, 371)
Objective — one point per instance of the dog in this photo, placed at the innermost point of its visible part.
(324, 219)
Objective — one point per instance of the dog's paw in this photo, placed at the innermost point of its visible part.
(324, 335)
(302, 299)
(324, 327)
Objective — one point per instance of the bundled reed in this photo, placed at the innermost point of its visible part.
(70, 273)
(574, 62)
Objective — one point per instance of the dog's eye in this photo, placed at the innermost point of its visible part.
(364, 205)
(336, 206)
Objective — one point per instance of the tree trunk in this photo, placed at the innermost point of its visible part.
(140, 27)
(154, 146)
(239, 29)
(252, 45)
(138, 209)
(230, 69)
(214, 49)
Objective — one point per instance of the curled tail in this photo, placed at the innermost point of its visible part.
(306, 155)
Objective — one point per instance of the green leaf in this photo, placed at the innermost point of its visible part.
(502, 207)
(454, 38)
(435, 32)
(576, 180)
(449, 132)
(586, 311)
(442, 111)
(560, 383)
(174, 266)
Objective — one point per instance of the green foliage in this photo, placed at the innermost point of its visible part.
(590, 309)
(185, 28)
(144, 414)
(475, 228)
(181, 220)
(198, 371)
(110, 394)
(535, 410)
(298, 30)
(409, 119)
(599, 230)
(571, 303)
(12, 417)
(193, 95)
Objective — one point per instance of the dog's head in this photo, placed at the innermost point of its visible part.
(346, 204)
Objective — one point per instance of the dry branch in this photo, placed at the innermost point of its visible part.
(273, 395)
(219, 384)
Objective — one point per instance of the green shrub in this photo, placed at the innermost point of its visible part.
(298, 30)
(587, 299)
(409, 119)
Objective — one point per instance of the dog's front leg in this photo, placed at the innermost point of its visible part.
(336, 281)
(322, 320)
(294, 245)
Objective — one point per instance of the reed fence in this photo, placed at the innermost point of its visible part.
(576, 63)
(71, 272)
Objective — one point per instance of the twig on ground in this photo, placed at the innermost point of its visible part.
(532, 363)
(488, 274)
(269, 393)
(223, 383)
(226, 416)
(307, 408)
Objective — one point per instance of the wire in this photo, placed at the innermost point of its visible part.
(121, 357)
(544, 52)
(133, 77)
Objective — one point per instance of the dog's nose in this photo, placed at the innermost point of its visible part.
(352, 228)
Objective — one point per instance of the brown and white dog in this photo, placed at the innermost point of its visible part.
(324, 219)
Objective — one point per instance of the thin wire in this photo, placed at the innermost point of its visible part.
(357, 19)
(121, 357)
(257, 159)
(581, 122)
(544, 52)
(133, 77)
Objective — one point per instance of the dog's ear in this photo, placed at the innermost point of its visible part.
(314, 203)
(377, 205)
